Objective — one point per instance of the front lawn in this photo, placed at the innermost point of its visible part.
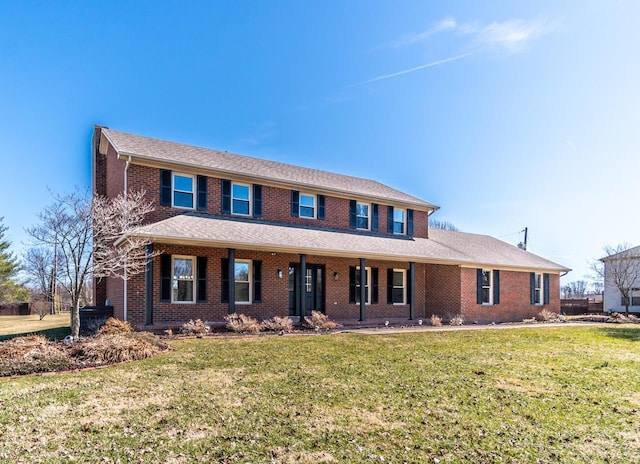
(546, 394)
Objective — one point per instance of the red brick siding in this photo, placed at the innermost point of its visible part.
(443, 290)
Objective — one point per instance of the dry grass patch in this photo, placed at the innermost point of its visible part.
(116, 348)
(27, 355)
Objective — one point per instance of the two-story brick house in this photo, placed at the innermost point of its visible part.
(241, 234)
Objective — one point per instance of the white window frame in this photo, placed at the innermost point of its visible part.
(175, 279)
(367, 270)
(249, 280)
(404, 287)
(233, 198)
(368, 216)
(403, 222)
(489, 287)
(174, 190)
(314, 207)
(538, 289)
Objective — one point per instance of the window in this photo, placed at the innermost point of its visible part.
(486, 287)
(240, 199)
(242, 276)
(398, 221)
(367, 290)
(399, 283)
(537, 289)
(307, 205)
(182, 191)
(182, 279)
(362, 216)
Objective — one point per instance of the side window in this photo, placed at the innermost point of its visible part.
(241, 199)
(183, 191)
(362, 216)
(307, 205)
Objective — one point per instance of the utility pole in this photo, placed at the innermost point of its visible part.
(523, 245)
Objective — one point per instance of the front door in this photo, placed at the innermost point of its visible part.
(312, 289)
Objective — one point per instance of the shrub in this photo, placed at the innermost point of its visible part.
(549, 316)
(241, 323)
(28, 355)
(278, 324)
(436, 321)
(457, 320)
(114, 348)
(115, 326)
(319, 321)
(197, 328)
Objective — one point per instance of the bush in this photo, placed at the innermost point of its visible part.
(196, 328)
(457, 320)
(28, 355)
(278, 324)
(436, 321)
(319, 321)
(549, 316)
(241, 323)
(114, 326)
(114, 348)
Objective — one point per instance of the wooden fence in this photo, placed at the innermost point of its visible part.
(575, 306)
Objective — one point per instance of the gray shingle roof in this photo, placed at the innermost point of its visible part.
(161, 151)
(444, 247)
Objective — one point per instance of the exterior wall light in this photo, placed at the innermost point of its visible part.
(335, 276)
(279, 273)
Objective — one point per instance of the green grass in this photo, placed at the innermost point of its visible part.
(531, 395)
(52, 326)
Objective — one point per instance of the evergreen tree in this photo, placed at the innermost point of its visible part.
(10, 291)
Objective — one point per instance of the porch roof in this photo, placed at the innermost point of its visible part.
(442, 247)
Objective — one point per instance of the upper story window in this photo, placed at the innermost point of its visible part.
(307, 205)
(241, 200)
(183, 191)
(362, 216)
(183, 279)
(398, 221)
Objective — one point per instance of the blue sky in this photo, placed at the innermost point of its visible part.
(506, 114)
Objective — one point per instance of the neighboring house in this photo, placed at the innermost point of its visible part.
(628, 275)
(247, 235)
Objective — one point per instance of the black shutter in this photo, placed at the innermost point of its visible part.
(257, 200)
(374, 217)
(165, 277)
(390, 219)
(225, 280)
(410, 222)
(533, 287)
(545, 278)
(202, 193)
(352, 214)
(321, 207)
(201, 272)
(374, 285)
(165, 187)
(479, 286)
(496, 287)
(389, 285)
(295, 203)
(226, 195)
(352, 284)
(257, 281)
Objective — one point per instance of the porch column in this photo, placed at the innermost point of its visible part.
(302, 286)
(363, 289)
(412, 291)
(148, 282)
(232, 280)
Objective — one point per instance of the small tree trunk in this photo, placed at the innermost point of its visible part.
(75, 319)
(626, 310)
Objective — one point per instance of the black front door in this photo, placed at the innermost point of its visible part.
(312, 289)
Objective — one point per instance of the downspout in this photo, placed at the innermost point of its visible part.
(124, 291)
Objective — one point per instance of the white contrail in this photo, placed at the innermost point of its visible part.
(417, 68)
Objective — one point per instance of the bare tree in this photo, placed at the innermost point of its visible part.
(444, 225)
(620, 268)
(578, 288)
(84, 233)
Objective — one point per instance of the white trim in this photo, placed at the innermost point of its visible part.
(173, 190)
(368, 216)
(315, 205)
(540, 289)
(367, 286)
(193, 279)
(404, 287)
(404, 221)
(249, 200)
(249, 280)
